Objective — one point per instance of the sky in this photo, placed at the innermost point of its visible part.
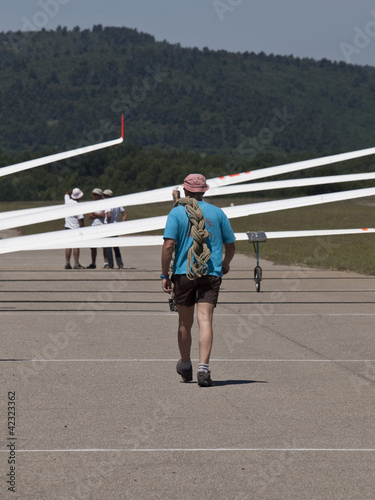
(338, 30)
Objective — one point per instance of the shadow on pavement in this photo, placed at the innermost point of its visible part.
(218, 383)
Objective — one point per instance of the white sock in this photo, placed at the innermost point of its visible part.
(203, 367)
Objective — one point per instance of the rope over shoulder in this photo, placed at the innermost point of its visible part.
(199, 253)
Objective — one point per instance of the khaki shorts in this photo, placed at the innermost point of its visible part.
(189, 292)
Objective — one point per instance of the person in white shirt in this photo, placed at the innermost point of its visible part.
(111, 216)
(97, 219)
(74, 222)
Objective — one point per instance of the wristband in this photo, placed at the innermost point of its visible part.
(164, 277)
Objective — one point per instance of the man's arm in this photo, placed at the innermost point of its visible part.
(96, 215)
(166, 255)
(229, 251)
(176, 195)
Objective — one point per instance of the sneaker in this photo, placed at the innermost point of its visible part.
(91, 266)
(204, 379)
(68, 266)
(106, 265)
(78, 266)
(121, 266)
(187, 375)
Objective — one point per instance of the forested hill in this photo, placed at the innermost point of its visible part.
(61, 88)
(191, 108)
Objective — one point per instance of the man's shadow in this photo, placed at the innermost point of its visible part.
(218, 383)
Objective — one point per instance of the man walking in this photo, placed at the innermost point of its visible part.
(194, 236)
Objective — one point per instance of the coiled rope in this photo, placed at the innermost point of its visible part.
(199, 253)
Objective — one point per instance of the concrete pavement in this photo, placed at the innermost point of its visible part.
(100, 412)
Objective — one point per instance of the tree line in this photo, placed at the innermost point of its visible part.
(184, 109)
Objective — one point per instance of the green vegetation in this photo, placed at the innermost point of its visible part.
(346, 253)
(62, 88)
(184, 108)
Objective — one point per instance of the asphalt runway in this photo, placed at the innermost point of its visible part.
(97, 411)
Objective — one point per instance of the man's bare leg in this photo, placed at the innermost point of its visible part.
(205, 313)
(76, 255)
(185, 322)
(68, 253)
(105, 257)
(94, 252)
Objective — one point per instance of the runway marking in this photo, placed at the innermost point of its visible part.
(151, 360)
(163, 450)
(292, 314)
(174, 315)
(154, 292)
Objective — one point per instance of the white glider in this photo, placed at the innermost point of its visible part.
(291, 167)
(308, 233)
(45, 160)
(26, 217)
(218, 186)
(74, 237)
(290, 183)
(141, 241)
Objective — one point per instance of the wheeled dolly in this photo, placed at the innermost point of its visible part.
(255, 239)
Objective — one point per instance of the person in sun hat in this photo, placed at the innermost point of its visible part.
(192, 259)
(72, 197)
(97, 219)
(112, 216)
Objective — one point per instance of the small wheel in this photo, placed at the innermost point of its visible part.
(257, 277)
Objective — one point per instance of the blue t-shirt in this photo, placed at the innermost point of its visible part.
(217, 224)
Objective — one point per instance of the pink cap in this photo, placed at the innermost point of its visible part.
(195, 183)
